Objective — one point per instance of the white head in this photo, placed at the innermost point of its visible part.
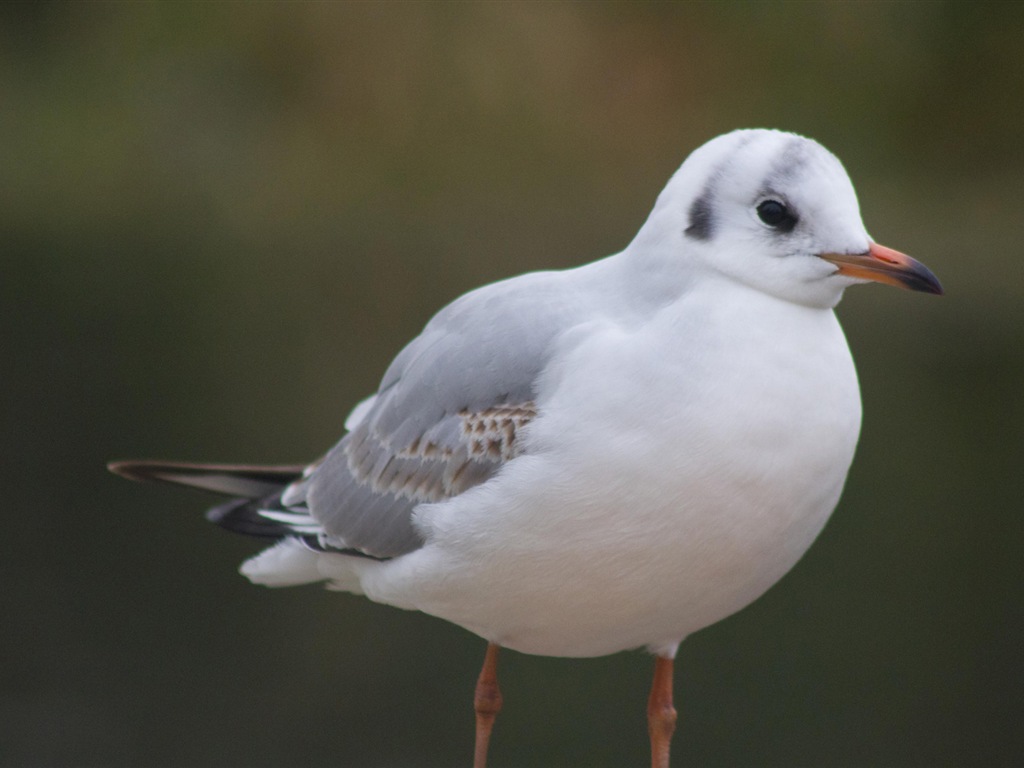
(777, 212)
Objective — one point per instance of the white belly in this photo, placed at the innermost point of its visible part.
(660, 492)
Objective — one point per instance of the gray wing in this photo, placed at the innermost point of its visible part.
(447, 415)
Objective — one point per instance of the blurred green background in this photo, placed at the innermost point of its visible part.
(221, 221)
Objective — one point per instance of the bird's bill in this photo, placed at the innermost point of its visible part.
(884, 265)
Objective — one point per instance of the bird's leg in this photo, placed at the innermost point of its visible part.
(487, 703)
(661, 715)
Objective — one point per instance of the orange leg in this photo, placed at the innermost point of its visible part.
(661, 715)
(487, 703)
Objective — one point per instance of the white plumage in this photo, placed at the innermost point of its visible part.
(580, 462)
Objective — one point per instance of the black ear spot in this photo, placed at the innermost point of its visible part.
(776, 215)
(701, 222)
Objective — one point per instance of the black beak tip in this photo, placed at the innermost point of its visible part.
(925, 281)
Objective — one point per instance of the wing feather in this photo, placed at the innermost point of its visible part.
(449, 412)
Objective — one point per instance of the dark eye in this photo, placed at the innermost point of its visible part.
(776, 215)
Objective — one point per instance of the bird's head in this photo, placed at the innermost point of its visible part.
(777, 211)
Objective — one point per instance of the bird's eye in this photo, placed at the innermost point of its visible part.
(776, 215)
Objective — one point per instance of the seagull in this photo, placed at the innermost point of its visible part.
(579, 462)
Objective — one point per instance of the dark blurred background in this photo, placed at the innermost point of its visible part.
(219, 223)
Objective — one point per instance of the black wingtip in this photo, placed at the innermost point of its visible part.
(133, 470)
(242, 516)
(249, 481)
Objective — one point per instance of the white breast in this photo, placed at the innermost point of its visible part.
(677, 470)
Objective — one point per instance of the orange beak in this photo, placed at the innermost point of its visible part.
(884, 265)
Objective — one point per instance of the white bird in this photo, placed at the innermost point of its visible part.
(580, 462)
